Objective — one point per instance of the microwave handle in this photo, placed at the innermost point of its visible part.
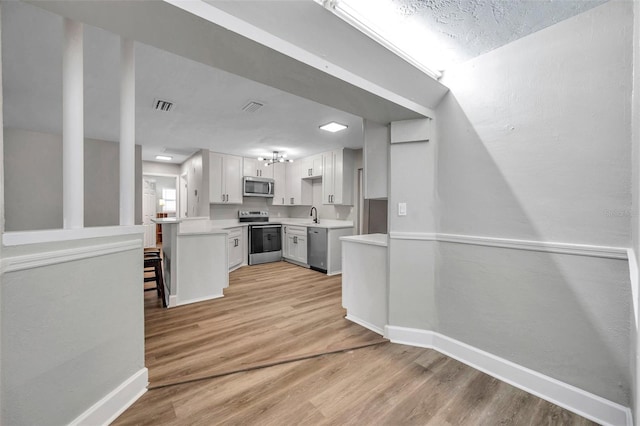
(270, 188)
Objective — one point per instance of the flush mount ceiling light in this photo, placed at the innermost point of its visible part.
(163, 157)
(333, 127)
(276, 157)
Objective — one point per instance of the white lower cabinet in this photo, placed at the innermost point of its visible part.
(236, 248)
(295, 244)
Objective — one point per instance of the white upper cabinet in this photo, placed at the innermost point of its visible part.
(255, 168)
(312, 166)
(298, 191)
(225, 179)
(338, 177)
(280, 184)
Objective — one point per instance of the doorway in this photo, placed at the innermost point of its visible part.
(160, 200)
(149, 211)
(182, 196)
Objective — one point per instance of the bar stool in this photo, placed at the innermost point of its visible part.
(153, 264)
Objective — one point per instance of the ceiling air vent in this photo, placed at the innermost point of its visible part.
(161, 105)
(252, 106)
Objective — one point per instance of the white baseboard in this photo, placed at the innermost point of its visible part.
(567, 396)
(366, 324)
(199, 299)
(113, 404)
(173, 301)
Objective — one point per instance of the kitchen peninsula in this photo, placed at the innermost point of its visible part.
(194, 260)
(364, 280)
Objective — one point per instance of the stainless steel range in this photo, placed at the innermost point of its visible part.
(265, 239)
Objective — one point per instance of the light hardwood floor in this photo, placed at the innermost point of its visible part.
(270, 313)
(297, 313)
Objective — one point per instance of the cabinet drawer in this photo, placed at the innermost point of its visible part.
(296, 230)
(235, 232)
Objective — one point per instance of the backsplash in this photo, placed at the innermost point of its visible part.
(222, 211)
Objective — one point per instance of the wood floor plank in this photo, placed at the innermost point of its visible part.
(269, 312)
(276, 313)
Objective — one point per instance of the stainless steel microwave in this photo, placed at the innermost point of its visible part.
(257, 187)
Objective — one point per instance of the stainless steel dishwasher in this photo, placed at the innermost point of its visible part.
(317, 248)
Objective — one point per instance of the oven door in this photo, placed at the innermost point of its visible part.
(265, 243)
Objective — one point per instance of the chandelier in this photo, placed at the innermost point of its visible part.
(276, 157)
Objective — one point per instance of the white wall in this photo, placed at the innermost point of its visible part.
(635, 213)
(72, 328)
(154, 168)
(33, 181)
(197, 169)
(534, 144)
(535, 135)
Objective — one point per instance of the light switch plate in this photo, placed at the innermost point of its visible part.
(402, 209)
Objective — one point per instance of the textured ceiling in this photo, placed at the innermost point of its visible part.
(462, 29)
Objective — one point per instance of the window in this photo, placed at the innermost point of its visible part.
(168, 201)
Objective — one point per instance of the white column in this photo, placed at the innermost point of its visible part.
(127, 132)
(72, 126)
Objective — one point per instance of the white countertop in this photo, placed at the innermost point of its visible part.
(370, 239)
(162, 220)
(324, 223)
(203, 225)
(192, 225)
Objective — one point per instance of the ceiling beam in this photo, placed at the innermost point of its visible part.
(238, 47)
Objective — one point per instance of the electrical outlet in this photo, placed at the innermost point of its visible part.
(402, 209)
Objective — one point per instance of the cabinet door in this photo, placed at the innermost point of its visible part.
(231, 254)
(265, 171)
(301, 249)
(250, 167)
(233, 179)
(306, 167)
(280, 184)
(291, 247)
(316, 165)
(216, 193)
(235, 247)
(338, 177)
(285, 242)
(294, 184)
(328, 167)
(237, 252)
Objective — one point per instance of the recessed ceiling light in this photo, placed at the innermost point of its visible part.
(163, 157)
(333, 127)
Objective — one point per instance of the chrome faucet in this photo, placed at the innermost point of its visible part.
(315, 219)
